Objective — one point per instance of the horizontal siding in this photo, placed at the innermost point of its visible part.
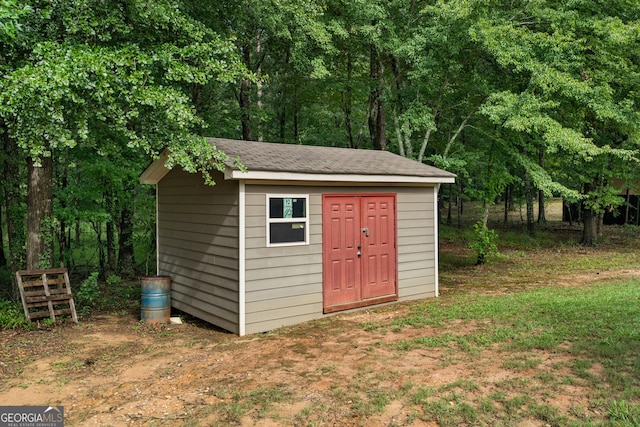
(176, 271)
(203, 266)
(284, 284)
(204, 236)
(207, 316)
(202, 218)
(186, 224)
(285, 273)
(416, 244)
(201, 201)
(198, 246)
(202, 248)
(273, 293)
(283, 315)
(256, 323)
(202, 297)
(282, 281)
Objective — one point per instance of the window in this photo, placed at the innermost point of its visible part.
(287, 220)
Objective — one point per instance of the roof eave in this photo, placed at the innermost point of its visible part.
(319, 177)
(156, 170)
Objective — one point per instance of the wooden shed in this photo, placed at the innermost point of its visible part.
(304, 232)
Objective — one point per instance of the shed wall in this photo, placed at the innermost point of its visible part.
(284, 284)
(198, 231)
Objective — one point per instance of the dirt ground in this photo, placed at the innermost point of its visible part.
(112, 370)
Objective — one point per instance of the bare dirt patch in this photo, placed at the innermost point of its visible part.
(111, 370)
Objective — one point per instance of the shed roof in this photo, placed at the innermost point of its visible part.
(262, 156)
(292, 162)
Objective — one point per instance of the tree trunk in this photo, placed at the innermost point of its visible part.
(39, 210)
(296, 117)
(449, 205)
(589, 230)
(529, 198)
(347, 95)
(282, 119)
(14, 203)
(125, 240)
(589, 219)
(111, 264)
(126, 258)
(377, 120)
(404, 141)
(542, 218)
(459, 202)
(626, 207)
(78, 233)
(97, 228)
(197, 99)
(63, 244)
(244, 110)
(507, 195)
(541, 215)
(111, 208)
(282, 112)
(243, 99)
(3, 258)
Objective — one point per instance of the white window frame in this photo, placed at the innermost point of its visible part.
(269, 220)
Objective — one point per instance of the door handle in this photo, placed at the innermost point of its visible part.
(365, 230)
(359, 254)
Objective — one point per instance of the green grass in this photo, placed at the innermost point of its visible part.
(602, 321)
(597, 327)
(257, 403)
(595, 324)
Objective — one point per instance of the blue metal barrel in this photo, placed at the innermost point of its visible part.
(155, 301)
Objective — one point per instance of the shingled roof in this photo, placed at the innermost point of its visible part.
(308, 159)
(266, 161)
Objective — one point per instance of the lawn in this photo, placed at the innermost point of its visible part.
(548, 334)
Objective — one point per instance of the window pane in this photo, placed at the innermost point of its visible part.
(275, 207)
(287, 207)
(299, 207)
(287, 232)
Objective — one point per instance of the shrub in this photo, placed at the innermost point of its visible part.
(88, 292)
(114, 279)
(484, 243)
(11, 315)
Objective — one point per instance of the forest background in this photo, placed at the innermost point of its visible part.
(523, 100)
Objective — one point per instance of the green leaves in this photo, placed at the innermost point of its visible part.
(571, 92)
(124, 66)
(10, 14)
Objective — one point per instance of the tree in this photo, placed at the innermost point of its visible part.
(10, 15)
(578, 64)
(81, 66)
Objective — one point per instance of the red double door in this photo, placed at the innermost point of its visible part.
(359, 250)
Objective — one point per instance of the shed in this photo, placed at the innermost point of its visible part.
(304, 232)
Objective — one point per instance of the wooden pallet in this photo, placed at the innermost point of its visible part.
(46, 293)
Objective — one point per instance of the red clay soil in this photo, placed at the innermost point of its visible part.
(111, 370)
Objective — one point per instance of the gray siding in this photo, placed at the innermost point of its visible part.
(416, 244)
(284, 284)
(198, 246)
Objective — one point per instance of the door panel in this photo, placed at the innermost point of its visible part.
(342, 284)
(379, 247)
(359, 251)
